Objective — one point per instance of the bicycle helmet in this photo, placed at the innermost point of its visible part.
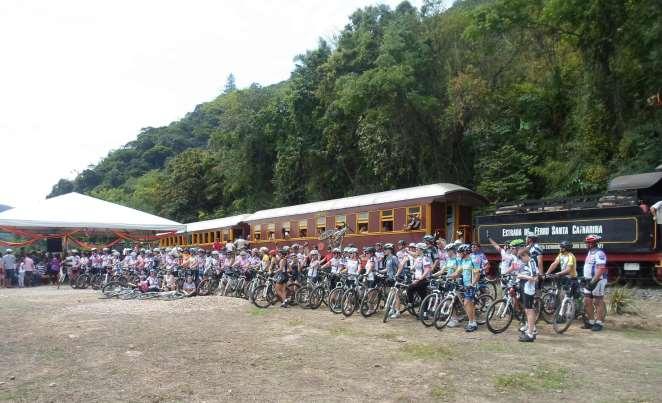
(532, 237)
(428, 238)
(592, 239)
(567, 245)
(282, 251)
(157, 250)
(314, 252)
(214, 252)
(370, 250)
(411, 245)
(272, 252)
(336, 250)
(402, 242)
(74, 251)
(264, 249)
(8, 251)
(388, 246)
(516, 243)
(106, 249)
(450, 246)
(93, 250)
(464, 248)
(421, 246)
(354, 250)
(346, 249)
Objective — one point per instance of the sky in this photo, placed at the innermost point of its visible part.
(79, 78)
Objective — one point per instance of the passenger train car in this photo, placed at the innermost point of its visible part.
(442, 208)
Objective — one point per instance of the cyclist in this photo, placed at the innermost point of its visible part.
(153, 281)
(314, 266)
(281, 276)
(528, 276)
(352, 265)
(595, 270)
(96, 261)
(469, 271)
(534, 250)
(450, 267)
(75, 265)
(422, 268)
(371, 266)
(566, 260)
(507, 256)
(335, 263)
(390, 264)
(432, 251)
(479, 258)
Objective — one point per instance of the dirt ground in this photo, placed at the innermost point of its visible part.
(69, 345)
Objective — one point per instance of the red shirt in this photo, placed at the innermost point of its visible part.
(217, 246)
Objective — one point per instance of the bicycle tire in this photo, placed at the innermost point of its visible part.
(82, 281)
(303, 297)
(481, 306)
(203, 287)
(444, 312)
(415, 306)
(388, 306)
(111, 289)
(428, 308)
(349, 303)
(501, 308)
(563, 320)
(370, 304)
(316, 297)
(335, 300)
(263, 296)
(291, 291)
(548, 305)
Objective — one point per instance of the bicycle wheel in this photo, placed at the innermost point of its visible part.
(303, 296)
(499, 315)
(428, 308)
(316, 297)
(389, 305)
(73, 281)
(481, 305)
(415, 306)
(97, 281)
(292, 292)
(564, 315)
(204, 287)
(349, 302)
(82, 281)
(444, 312)
(263, 296)
(548, 304)
(489, 288)
(335, 300)
(370, 303)
(111, 289)
(148, 295)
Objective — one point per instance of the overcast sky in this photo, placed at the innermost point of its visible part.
(79, 78)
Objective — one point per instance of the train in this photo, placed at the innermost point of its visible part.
(621, 216)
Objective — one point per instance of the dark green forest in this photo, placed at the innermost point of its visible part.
(513, 98)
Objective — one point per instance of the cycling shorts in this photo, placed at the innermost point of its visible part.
(598, 291)
(470, 294)
(527, 300)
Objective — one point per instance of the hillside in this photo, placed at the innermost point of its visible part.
(513, 98)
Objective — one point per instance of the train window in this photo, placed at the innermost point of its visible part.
(320, 224)
(386, 220)
(257, 232)
(285, 230)
(206, 237)
(362, 222)
(413, 218)
(341, 221)
(271, 231)
(218, 235)
(303, 228)
(226, 235)
(450, 222)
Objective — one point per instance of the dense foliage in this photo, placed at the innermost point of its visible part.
(513, 98)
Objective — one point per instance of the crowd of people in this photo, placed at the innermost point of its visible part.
(430, 258)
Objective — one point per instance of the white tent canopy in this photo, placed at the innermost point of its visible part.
(74, 210)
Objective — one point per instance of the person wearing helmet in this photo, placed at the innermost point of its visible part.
(153, 282)
(479, 258)
(281, 277)
(371, 266)
(469, 272)
(96, 261)
(335, 264)
(390, 264)
(595, 270)
(422, 268)
(507, 256)
(566, 260)
(314, 266)
(535, 250)
(9, 266)
(352, 265)
(528, 276)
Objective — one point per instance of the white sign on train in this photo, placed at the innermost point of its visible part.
(552, 230)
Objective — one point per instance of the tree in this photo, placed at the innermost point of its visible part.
(63, 186)
(230, 85)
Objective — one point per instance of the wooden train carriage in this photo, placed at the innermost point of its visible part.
(621, 217)
(371, 218)
(204, 233)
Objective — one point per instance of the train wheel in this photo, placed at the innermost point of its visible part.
(613, 275)
(656, 274)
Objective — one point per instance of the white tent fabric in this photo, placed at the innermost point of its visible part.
(75, 210)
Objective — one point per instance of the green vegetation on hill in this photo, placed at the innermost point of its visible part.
(513, 98)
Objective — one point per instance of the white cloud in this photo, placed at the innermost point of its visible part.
(79, 78)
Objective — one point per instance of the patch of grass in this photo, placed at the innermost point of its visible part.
(425, 351)
(391, 336)
(641, 334)
(341, 331)
(255, 311)
(444, 393)
(622, 301)
(539, 379)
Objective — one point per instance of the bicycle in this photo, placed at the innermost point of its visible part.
(398, 292)
(431, 302)
(570, 308)
(501, 312)
(373, 299)
(264, 295)
(453, 305)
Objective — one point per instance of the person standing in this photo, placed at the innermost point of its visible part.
(2, 273)
(9, 264)
(29, 268)
(595, 271)
(21, 273)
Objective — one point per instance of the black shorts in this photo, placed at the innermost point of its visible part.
(281, 278)
(527, 300)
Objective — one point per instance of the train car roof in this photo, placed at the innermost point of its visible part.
(216, 223)
(633, 182)
(436, 191)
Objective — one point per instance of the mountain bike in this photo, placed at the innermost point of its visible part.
(570, 308)
(453, 306)
(502, 311)
(431, 302)
(374, 298)
(398, 292)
